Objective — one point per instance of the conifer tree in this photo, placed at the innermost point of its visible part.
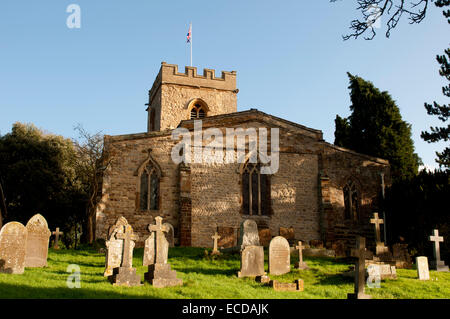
(376, 128)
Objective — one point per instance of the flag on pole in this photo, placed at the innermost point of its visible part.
(189, 34)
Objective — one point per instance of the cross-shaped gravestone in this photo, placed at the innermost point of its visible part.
(377, 221)
(436, 239)
(162, 245)
(56, 233)
(127, 237)
(301, 264)
(216, 237)
(360, 270)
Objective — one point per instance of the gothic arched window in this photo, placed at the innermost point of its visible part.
(198, 111)
(351, 201)
(149, 188)
(255, 190)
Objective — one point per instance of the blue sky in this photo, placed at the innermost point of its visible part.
(289, 56)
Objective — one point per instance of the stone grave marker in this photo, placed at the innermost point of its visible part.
(252, 262)
(287, 286)
(380, 247)
(114, 246)
(215, 238)
(279, 256)
(436, 239)
(56, 233)
(159, 273)
(37, 242)
(300, 264)
(126, 275)
(248, 234)
(360, 271)
(13, 241)
(422, 268)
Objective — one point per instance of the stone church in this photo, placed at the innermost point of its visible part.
(319, 192)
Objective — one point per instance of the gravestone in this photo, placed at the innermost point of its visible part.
(248, 234)
(37, 242)
(215, 238)
(56, 233)
(288, 233)
(422, 268)
(252, 262)
(300, 264)
(436, 239)
(287, 286)
(264, 237)
(170, 234)
(157, 249)
(279, 256)
(380, 247)
(227, 237)
(13, 241)
(360, 270)
(114, 246)
(126, 275)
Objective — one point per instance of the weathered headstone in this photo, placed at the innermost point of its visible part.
(264, 236)
(248, 235)
(227, 237)
(380, 247)
(170, 234)
(287, 286)
(436, 239)
(37, 242)
(279, 256)
(56, 233)
(422, 268)
(360, 271)
(157, 248)
(300, 264)
(252, 262)
(126, 275)
(13, 241)
(215, 238)
(114, 246)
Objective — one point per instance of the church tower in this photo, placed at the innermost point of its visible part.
(175, 97)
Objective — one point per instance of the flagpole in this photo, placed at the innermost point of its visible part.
(190, 28)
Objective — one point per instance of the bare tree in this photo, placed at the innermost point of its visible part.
(393, 10)
(90, 165)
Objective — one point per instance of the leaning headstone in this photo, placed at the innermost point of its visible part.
(37, 242)
(422, 268)
(436, 239)
(248, 235)
(279, 256)
(360, 271)
(114, 246)
(300, 264)
(126, 275)
(252, 262)
(159, 273)
(56, 233)
(13, 241)
(170, 234)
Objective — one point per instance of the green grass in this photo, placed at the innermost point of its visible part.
(206, 277)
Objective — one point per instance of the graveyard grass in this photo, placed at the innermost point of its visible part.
(209, 277)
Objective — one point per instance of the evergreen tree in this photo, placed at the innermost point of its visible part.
(376, 128)
(442, 111)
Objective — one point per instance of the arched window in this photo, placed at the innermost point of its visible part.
(198, 111)
(351, 201)
(149, 188)
(255, 190)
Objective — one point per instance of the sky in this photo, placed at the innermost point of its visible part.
(290, 58)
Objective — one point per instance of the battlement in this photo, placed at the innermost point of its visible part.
(169, 74)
